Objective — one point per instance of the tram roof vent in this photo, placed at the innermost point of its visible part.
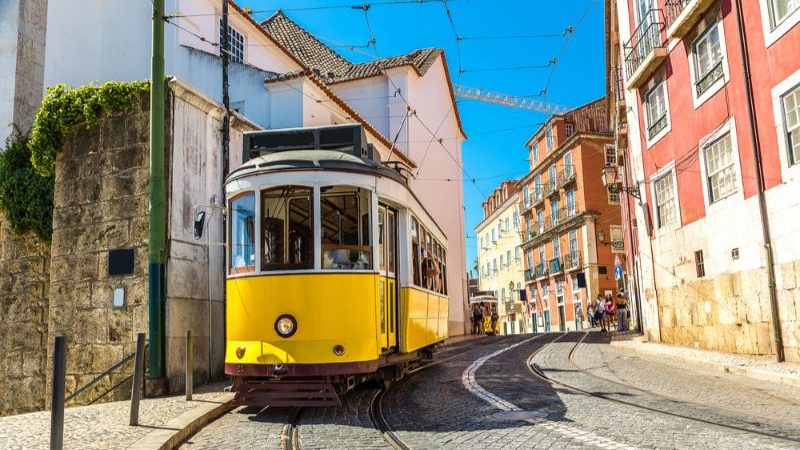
(348, 138)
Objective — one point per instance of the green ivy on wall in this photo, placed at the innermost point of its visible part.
(26, 197)
(63, 108)
(27, 166)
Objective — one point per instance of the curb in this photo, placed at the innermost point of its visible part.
(174, 432)
(461, 338)
(753, 371)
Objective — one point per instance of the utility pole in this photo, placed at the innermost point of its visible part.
(226, 138)
(157, 224)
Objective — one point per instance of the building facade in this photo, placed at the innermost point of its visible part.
(710, 96)
(500, 264)
(571, 232)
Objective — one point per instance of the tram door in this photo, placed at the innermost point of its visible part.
(387, 254)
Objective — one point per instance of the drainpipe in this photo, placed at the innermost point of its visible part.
(157, 224)
(777, 335)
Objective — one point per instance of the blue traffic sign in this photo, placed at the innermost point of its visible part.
(618, 272)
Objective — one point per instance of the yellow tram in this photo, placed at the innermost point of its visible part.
(336, 273)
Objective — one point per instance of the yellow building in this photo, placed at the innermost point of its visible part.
(500, 266)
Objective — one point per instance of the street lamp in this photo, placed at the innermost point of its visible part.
(610, 181)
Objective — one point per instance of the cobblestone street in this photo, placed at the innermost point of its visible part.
(535, 391)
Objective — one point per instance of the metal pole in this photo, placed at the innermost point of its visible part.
(189, 364)
(758, 168)
(225, 97)
(157, 224)
(57, 404)
(138, 379)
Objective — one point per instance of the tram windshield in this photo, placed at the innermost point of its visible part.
(345, 223)
(287, 228)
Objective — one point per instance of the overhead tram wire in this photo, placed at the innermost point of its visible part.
(570, 32)
(458, 39)
(317, 8)
(505, 69)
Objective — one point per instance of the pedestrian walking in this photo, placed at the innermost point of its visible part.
(477, 320)
(600, 312)
(590, 313)
(622, 312)
(610, 315)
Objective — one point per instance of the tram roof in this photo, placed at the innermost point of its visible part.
(314, 160)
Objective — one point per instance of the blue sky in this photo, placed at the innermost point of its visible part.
(490, 155)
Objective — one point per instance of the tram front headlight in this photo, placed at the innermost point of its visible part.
(285, 326)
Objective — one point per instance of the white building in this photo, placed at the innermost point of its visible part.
(282, 76)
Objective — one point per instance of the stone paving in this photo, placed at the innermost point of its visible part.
(103, 426)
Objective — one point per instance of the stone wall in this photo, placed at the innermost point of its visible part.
(101, 204)
(24, 265)
(732, 313)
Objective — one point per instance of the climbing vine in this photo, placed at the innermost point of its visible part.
(64, 107)
(27, 165)
(26, 197)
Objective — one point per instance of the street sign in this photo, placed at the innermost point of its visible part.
(618, 272)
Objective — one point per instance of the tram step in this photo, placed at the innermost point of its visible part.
(286, 393)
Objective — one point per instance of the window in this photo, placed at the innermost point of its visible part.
(535, 152)
(545, 290)
(507, 227)
(707, 59)
(699, 264)
(415, 250)
(556, 248)
(554, 212)
(481, 245)
(537, 184)
(569, 129)
(664, 189)
(516, 220)
(517, 254)
(508, 257)
(503, 294)
(617, 238)
(243, 234)
(345, 225)
(235, 43)
(568, 168)
(560, 291)
(551, 181)
(791, 117)
(720, 169)
(542, 254)
(494, 265)
(494, 235)
(575, 288)
(570, 202)
(530, 259)
(780, 10)
(501, 262)
(287, 229)
(540, 218)
(526, 196)
(611, 156)
(573, 242)
(613, 197)
(548, 134)
(656, 110)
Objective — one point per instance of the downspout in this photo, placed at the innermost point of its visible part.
(777, 335)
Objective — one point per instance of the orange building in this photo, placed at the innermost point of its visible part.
(571, 228)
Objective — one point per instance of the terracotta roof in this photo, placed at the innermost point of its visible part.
(332, 67)
(311, 75)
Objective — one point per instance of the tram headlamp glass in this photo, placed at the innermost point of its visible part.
(285, 326)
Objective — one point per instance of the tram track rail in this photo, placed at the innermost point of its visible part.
(290, 439)
(538, 372)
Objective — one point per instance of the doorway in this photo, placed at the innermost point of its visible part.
(387, 291)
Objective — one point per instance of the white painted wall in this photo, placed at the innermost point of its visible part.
(369, 98)
(9, 28)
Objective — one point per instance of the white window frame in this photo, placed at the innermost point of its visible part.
(789, 171)
(728, 128)
(613, 197)
(536, 153)
(609, 151)
(675, 224)
(772, 35)
(726, 76)
(616, 229)
(549, 137)
(235, 30)
(663, 132)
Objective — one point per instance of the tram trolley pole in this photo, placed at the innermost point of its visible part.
(57, 404)
(189, 364)
(138, 379)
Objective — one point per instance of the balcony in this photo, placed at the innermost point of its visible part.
(538, 196)
(528, 275)
(541, 271)
(682, 15)
(551, 187)
(618, 246)
(645, 51)
(566, 176)
(572, 261)
(710, 78)
(555, 266)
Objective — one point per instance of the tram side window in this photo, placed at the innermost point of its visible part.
(344, 214)
(287, 228)
(415, 252)
(242, 234)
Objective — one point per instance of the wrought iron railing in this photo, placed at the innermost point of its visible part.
(528, 275)
(618, 245)
(556, 266)
(657, 126)
(708, 80)
(126, 359)
(541, 271)
(673, 9)
(572, 260)
(549, 188)
(566, 175)
(645, 39)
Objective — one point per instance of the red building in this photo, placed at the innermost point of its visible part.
(712, 155)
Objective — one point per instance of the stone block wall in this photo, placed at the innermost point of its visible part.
(101, 204)
(732, 312)
(24, 265)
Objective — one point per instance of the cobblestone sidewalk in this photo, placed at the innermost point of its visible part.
(755, 367)
(103, 426)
